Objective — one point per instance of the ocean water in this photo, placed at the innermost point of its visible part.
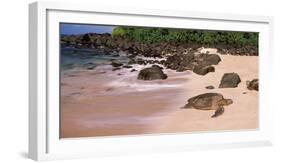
(87, 58)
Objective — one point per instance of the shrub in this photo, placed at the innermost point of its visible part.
(118, 31)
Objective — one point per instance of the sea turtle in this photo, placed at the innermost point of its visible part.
(208, 101)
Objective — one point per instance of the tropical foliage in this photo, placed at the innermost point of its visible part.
(156, 35)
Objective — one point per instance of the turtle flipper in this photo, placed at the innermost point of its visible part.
(187, 106)
(218, 112)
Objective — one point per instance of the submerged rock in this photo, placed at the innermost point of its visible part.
(230, 80)
(133, 70)
(152, 73)
(116, 64)
(131, 61)
(253, 85)
(127, 66)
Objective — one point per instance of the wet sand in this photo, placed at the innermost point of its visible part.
(102, 102)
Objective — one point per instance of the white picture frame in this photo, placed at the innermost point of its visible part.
(44, 141)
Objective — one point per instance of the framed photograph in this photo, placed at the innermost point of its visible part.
(110, 81)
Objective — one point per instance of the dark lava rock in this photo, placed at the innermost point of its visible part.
(115, 55)
(152, 73)
(179, 61)
(141, 61)
(212, 59)
(230, 80)
(203, 70)
(157, 66)
(127, 66)
(208, 59)
(210, 87)
(116, 68)
(131, 61)
(232, 51)
(133, 70)
(116, 64)
(253, 85)
(156, 61)
(181, 69)
(91, 67)
(222, 51)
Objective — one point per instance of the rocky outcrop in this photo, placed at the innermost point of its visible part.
(253, 85)
(152, 73)
(109, 43)
(180, 61)
(244, 50)
(201, 64)
(230, 80)
(176, 56)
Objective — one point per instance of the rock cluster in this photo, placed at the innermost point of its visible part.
(176, 56)
(109, 43)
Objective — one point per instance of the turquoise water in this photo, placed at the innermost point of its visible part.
(87, 58)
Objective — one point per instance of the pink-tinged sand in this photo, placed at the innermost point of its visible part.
(94, 103)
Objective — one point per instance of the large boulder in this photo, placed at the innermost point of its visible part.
(253, 85)
(230, 80)
(152, 73)
(203, 70)
(212, 59)
(208, 59)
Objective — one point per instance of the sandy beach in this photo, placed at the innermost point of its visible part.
(102, 102)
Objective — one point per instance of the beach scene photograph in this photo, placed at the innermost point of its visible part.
(128, 80)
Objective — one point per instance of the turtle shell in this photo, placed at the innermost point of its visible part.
(206, 101)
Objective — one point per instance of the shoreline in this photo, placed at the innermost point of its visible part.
(114, 103)
(122, 96)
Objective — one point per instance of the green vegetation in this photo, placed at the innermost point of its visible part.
(118, 31)
(156, 35)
